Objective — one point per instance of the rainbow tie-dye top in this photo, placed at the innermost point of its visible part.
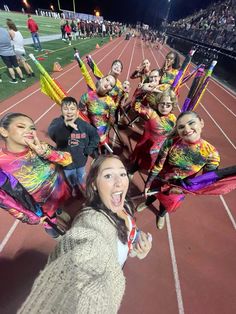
(178, 160)
(99, 110)
(169, 76)
(41, 177)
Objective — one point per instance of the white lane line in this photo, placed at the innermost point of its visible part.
(228, 91)
(114, 134)
(142, 50)
(8, 235)
(225, 135)
(128, 73)
(209, 91)
(228, 211)
(175, 267)
(173, 256)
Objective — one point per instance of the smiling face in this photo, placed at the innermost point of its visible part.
(165, 105)
(170, 59)
(189, 128)
(126, 86)
(69, 111)
(20, 129)
(116, 68)
(112, 184)
(146, 64)
(106, 84)
(154, 77)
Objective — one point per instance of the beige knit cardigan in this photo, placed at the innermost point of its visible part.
(82, 274)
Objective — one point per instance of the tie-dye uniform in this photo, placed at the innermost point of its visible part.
(117, 91)
(156, 130)
(179, 160)
(40, 177)
(99, 110)
(168, 77)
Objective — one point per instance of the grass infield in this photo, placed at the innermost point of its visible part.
(56, 50)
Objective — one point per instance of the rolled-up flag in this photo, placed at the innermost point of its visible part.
(219, 181)
(179, 77)
(194, 88)
(14, 197)
(202, 88)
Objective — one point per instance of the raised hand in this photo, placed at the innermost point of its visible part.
(38, 147)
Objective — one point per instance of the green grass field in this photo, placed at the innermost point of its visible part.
(47, 25)
(56, 50)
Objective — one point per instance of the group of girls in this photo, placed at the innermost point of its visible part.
(84, 272)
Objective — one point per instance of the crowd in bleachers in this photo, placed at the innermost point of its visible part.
(214, 25)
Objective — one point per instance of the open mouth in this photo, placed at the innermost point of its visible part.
(117, 198)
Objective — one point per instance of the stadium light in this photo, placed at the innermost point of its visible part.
(167, 15)
(25, 2)
(97, 13)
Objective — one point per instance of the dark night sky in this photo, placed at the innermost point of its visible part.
(147, 11)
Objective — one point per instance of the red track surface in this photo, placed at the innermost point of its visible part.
(191, 268)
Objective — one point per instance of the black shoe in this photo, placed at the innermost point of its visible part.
(13, 81)
(32, 74)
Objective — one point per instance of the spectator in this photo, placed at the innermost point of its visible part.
(33, 28)
(9, 57)
(19, 49)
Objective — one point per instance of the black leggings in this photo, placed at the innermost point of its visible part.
(151, 199)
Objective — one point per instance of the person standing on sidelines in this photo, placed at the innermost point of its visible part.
(33, 28)
(18, 44)
(9, 57)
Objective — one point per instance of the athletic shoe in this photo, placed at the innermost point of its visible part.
(23, 80)
(160, 222)
(69, 44)
(141, 207)
(13, 81)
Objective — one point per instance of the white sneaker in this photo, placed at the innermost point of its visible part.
(69, 44)
(141, 207)
(160, 222)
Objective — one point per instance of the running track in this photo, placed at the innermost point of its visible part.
(191, 268)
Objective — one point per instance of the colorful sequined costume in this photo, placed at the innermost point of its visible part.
(179, 160)
(156, 129)
(39, 176)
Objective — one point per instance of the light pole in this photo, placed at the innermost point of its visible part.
(167, 15)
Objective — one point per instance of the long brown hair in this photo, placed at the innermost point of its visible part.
(93, 199)
(11, 25)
